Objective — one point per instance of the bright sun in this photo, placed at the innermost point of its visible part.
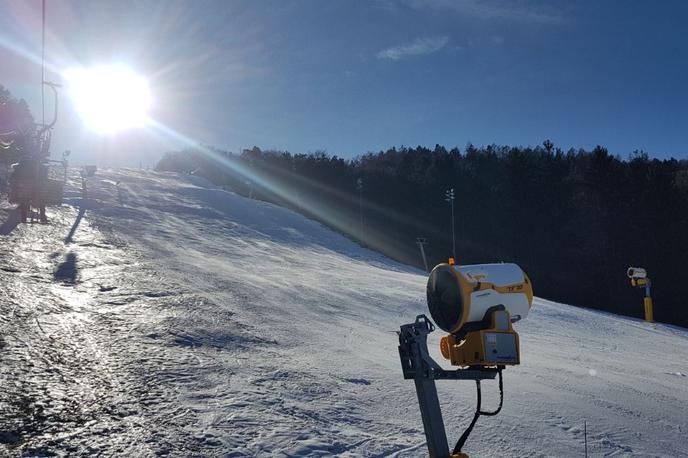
(109, 98)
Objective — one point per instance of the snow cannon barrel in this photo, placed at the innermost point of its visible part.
(459, 295)
(636, 273)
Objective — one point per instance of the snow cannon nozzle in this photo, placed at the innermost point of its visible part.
(636, 273)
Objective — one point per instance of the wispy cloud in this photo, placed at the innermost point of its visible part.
(419, 47)
(389, 5)
(497, 40)
(494, 9)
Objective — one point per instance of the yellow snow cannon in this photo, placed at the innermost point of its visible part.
(638, 276)
(639, 279)
(476, 305)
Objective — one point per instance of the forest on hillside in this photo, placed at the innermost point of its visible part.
(574, 220)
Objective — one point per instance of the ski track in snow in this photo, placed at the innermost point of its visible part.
(164, 316)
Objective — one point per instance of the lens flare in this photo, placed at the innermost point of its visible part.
(111, 98)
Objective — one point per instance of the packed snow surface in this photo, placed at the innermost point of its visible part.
(161, 316)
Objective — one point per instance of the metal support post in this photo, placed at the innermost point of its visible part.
(647, 302)
(417, 364)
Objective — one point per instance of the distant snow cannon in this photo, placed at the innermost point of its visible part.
(639, 279)
(476, 305)
(636, 273)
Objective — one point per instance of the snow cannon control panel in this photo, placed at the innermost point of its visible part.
(477, 305)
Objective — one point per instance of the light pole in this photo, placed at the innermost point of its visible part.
(359, 187)
(421, 242)
(449, 197)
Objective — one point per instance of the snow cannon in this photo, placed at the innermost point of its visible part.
(476, 305)
(636, 273)
(639, 279)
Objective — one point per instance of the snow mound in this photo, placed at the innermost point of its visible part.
(161, 315)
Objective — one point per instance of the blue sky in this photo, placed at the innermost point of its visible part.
(351, 76)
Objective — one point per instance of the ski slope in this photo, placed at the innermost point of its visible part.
(163, 316)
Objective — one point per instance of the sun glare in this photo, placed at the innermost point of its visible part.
(111, 98)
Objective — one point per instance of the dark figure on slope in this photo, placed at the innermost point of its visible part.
(30, 187)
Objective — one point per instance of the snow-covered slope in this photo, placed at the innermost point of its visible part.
(164, 316)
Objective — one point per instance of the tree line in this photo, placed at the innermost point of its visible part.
(574, 220)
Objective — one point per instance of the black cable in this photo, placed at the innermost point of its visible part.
(478, 413)
(464, 436)
(501, 398)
